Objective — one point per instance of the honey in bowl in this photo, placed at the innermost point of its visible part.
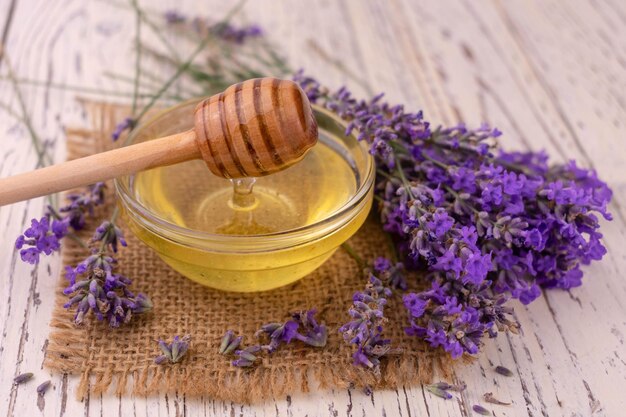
(250, 234)
(190, 196)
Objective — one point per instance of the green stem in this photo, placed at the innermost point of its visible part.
(172, 79)
(350, 251)
(405, 182)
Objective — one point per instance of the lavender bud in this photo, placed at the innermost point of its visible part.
(160, 359)
(165, 349)
(441, 385)
(43, 387)
(242, 363)
(179, 347)
(245, 355)
(481, 410)
(142, 304)
(231, 343)
(438, 392)
(503, 371)
(226, 339)
(20, 379)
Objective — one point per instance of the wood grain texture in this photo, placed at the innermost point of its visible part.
(255, 128)
(103, 166)
(550, 74)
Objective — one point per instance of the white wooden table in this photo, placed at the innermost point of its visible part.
(550, 74)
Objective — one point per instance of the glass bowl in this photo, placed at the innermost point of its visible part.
(252, 262)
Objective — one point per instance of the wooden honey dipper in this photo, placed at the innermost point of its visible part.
(253, 128)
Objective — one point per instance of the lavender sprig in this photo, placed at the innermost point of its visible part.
(43, 388)
(95, 286)
(365, 331)
(21, 378)
(224, 30)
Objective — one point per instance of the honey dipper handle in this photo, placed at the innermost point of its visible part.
(99, 167)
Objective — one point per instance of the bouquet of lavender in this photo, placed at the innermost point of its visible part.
(485, 224)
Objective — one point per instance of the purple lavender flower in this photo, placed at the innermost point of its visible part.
(229, 343)
(42, 236)
(21, 378)
(224, 30)
(487, 224)
(481, 410)
(127, 124)
(238, 35)
(365, 331)
(173, 17)
(43, 388)
(93, 285)
(111, 234)
(303, 327)
(246, 357)
(173, 352)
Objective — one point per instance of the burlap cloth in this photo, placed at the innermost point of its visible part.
(121, 360)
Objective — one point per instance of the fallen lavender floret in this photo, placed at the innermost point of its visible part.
(21, 378)
(229, 343)
(43, 387)
(246, 357)
(487, 225)
(174, 351)
(127, 124)
(439, 392)
(95, 286)
(44, 234)
(481, 410)
(446, 386)
(503, 371)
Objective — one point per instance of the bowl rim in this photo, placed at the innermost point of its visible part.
(274, 240)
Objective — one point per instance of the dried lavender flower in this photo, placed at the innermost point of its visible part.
(20, 379)
(503, 371)
(303, 327)
(488, 397)
(44, 234)
(439, 392)
(481, 410)
(246, 357)
(43, 387)
(365, 331)
(127, 124)
(94, 286)
(229, 342)
(174, 351)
